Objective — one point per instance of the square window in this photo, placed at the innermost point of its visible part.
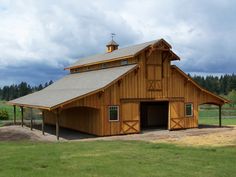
(104, 65)
(189, 109)
(124, 62)
(113, 113)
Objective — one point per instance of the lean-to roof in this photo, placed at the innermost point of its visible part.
(73, 86)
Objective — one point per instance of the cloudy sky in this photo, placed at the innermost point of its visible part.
(39, 38)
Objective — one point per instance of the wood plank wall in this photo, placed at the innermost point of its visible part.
(128, 92)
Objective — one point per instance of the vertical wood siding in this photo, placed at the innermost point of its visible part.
(154, 80)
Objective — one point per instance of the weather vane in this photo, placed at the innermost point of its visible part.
(112, 35)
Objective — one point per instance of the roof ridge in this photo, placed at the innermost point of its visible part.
(119, 53)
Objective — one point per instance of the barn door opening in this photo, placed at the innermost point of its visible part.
(154, 114)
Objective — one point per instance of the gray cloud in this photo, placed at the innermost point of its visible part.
(43, 37)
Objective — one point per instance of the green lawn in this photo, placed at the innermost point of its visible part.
(113, 159)
(215, 121)
(210, 115)
(9, 109)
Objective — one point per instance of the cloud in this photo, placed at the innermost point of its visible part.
(53, 34)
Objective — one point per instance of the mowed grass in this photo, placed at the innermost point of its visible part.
(210, 115)
(114, 159)
(9, 109)
(215, 121)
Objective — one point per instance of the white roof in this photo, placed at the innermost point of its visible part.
(119, 53)
(72, 86)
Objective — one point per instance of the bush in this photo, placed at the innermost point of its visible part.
(4, 115)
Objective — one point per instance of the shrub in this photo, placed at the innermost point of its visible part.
(4, 115)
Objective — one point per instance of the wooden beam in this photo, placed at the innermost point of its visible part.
(29, 106)
(14, 106)
(57, 124)
(31, 119)
(22, 116)
(99, 62)
(42, 122)
(220, 123)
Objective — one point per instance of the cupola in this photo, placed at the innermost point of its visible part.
(112, 45)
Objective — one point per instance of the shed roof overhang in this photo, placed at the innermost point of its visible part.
(73, 87)
(220, 99)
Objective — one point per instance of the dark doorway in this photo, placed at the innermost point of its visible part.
(154, 114)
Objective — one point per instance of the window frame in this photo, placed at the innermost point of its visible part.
(192, 110)
(104, 65)
(118, 113)
(124, 62)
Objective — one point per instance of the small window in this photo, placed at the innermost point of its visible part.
(124, 62)
(189, 109)
(76, 70)
(104, 65)
(113, 113)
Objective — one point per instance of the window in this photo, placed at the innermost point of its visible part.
(189, 109)
(104, 65)
(124, 62)
(76, 70)
(113, 113)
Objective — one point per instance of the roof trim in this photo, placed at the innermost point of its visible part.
(29, 106)
(197, 85)
(100, 62)
(162, 40)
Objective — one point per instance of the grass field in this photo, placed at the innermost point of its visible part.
(215, 121)
(114, 159)
(210, 115)
(9, 109)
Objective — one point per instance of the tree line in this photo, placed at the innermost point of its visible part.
(222, 85)
(17, 90)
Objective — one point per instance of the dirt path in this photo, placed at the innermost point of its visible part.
(18, 133)
(207, 136)
(211, 136)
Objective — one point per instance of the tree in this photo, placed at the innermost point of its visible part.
(232, 97)
(24, 89)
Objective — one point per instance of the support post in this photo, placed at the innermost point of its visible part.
(57, 124)
(14, 114)
(43, 122)
(31, 119)
(22, 115)
(220, 123)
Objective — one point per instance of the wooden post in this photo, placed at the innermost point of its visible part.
(42, 122)
(220, 124)
(22, 115)
(14, 114)
(31, 119)
(57, 124)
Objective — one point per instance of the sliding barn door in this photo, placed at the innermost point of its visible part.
(177, 120)
(130, 118)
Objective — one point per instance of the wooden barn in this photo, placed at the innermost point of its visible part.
(122, 91)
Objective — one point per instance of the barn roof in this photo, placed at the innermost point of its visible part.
(73, 86)
(126, 52)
